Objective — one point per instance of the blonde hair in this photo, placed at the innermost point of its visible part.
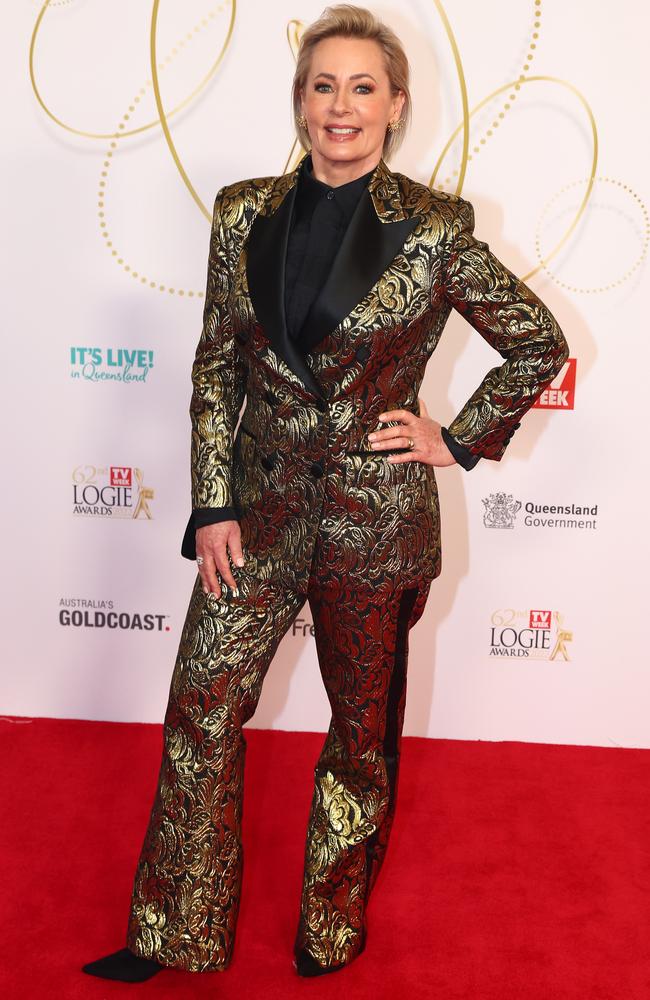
(344, 20)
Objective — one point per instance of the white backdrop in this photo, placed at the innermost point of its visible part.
(536, 629)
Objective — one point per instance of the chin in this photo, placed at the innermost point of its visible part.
(343, 151)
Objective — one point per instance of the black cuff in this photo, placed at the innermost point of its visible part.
(212, 515)
(462, 454)
(199, 517)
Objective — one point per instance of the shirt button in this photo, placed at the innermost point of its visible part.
(330, 195)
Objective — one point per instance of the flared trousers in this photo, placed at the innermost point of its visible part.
(187, 885)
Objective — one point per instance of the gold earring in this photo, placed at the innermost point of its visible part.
(396, 125)
(301, 121)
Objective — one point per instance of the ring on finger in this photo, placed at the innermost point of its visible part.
(411, 443)
(199, 560)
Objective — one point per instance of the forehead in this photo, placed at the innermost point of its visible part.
(347, 56)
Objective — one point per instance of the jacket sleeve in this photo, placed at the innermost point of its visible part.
(513, 320)
(218, 381)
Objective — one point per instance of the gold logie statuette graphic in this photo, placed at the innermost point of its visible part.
(145, 493)
(561, 638)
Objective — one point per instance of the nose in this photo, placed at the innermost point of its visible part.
(341, 104)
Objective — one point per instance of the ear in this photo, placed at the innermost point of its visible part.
(398, 103)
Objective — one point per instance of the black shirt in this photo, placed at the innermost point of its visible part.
(321, 215)
(320, 218)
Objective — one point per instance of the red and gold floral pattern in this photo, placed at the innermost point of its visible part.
(323, 519)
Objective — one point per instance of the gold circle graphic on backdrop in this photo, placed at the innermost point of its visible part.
(506, 107)
(594, 152)
(149, 125)
(123, 131)
(154, 83)
(294, 30)
(626, 274)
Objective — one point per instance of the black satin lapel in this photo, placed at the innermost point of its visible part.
(266, 254)
(366, 250)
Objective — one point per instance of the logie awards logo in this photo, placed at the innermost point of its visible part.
(535, 634)
(112, 491)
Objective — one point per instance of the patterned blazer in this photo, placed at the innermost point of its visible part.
(299, 468)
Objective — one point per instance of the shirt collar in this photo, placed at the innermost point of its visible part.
(311, 190)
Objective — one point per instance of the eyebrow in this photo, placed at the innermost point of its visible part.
(355, 76)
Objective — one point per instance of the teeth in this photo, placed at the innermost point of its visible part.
(342, 131)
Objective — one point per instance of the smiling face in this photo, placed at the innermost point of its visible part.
(348, 103)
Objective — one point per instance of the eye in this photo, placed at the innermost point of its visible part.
(363, 88)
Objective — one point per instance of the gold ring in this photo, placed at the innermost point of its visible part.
(411, 443)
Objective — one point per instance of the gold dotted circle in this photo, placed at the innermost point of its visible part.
(624, 277)
(512, 97)
(108, 159)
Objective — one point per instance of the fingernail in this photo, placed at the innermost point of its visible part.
(205, 590)
(236, 592)
(240, 561)
(371, 437)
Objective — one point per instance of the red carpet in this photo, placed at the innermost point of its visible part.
(515, 870)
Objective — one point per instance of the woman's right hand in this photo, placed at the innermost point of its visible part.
(212, 544)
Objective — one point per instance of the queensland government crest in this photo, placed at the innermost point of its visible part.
(500, 510)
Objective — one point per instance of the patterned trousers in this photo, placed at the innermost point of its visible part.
(187, 884)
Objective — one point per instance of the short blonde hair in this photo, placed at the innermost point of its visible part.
(344, 20)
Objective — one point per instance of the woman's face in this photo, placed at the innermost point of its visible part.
(348, 103)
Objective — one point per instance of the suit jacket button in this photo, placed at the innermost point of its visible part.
(316, 470)
(362, 353)
(268, 461)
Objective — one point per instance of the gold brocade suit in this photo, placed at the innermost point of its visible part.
(323, 518)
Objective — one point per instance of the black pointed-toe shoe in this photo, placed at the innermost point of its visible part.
(306, 965)
(124, 966)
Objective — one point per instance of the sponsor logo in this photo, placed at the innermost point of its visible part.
(301, 627)
(536, 634)
(500, 510)
(116, 491)
(560, 394)
(82, 612)
(110, 364)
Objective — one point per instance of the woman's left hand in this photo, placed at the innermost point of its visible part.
(428, 445)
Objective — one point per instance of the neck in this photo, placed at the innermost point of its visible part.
(336, 172)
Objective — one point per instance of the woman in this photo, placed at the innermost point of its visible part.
(328, 289)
